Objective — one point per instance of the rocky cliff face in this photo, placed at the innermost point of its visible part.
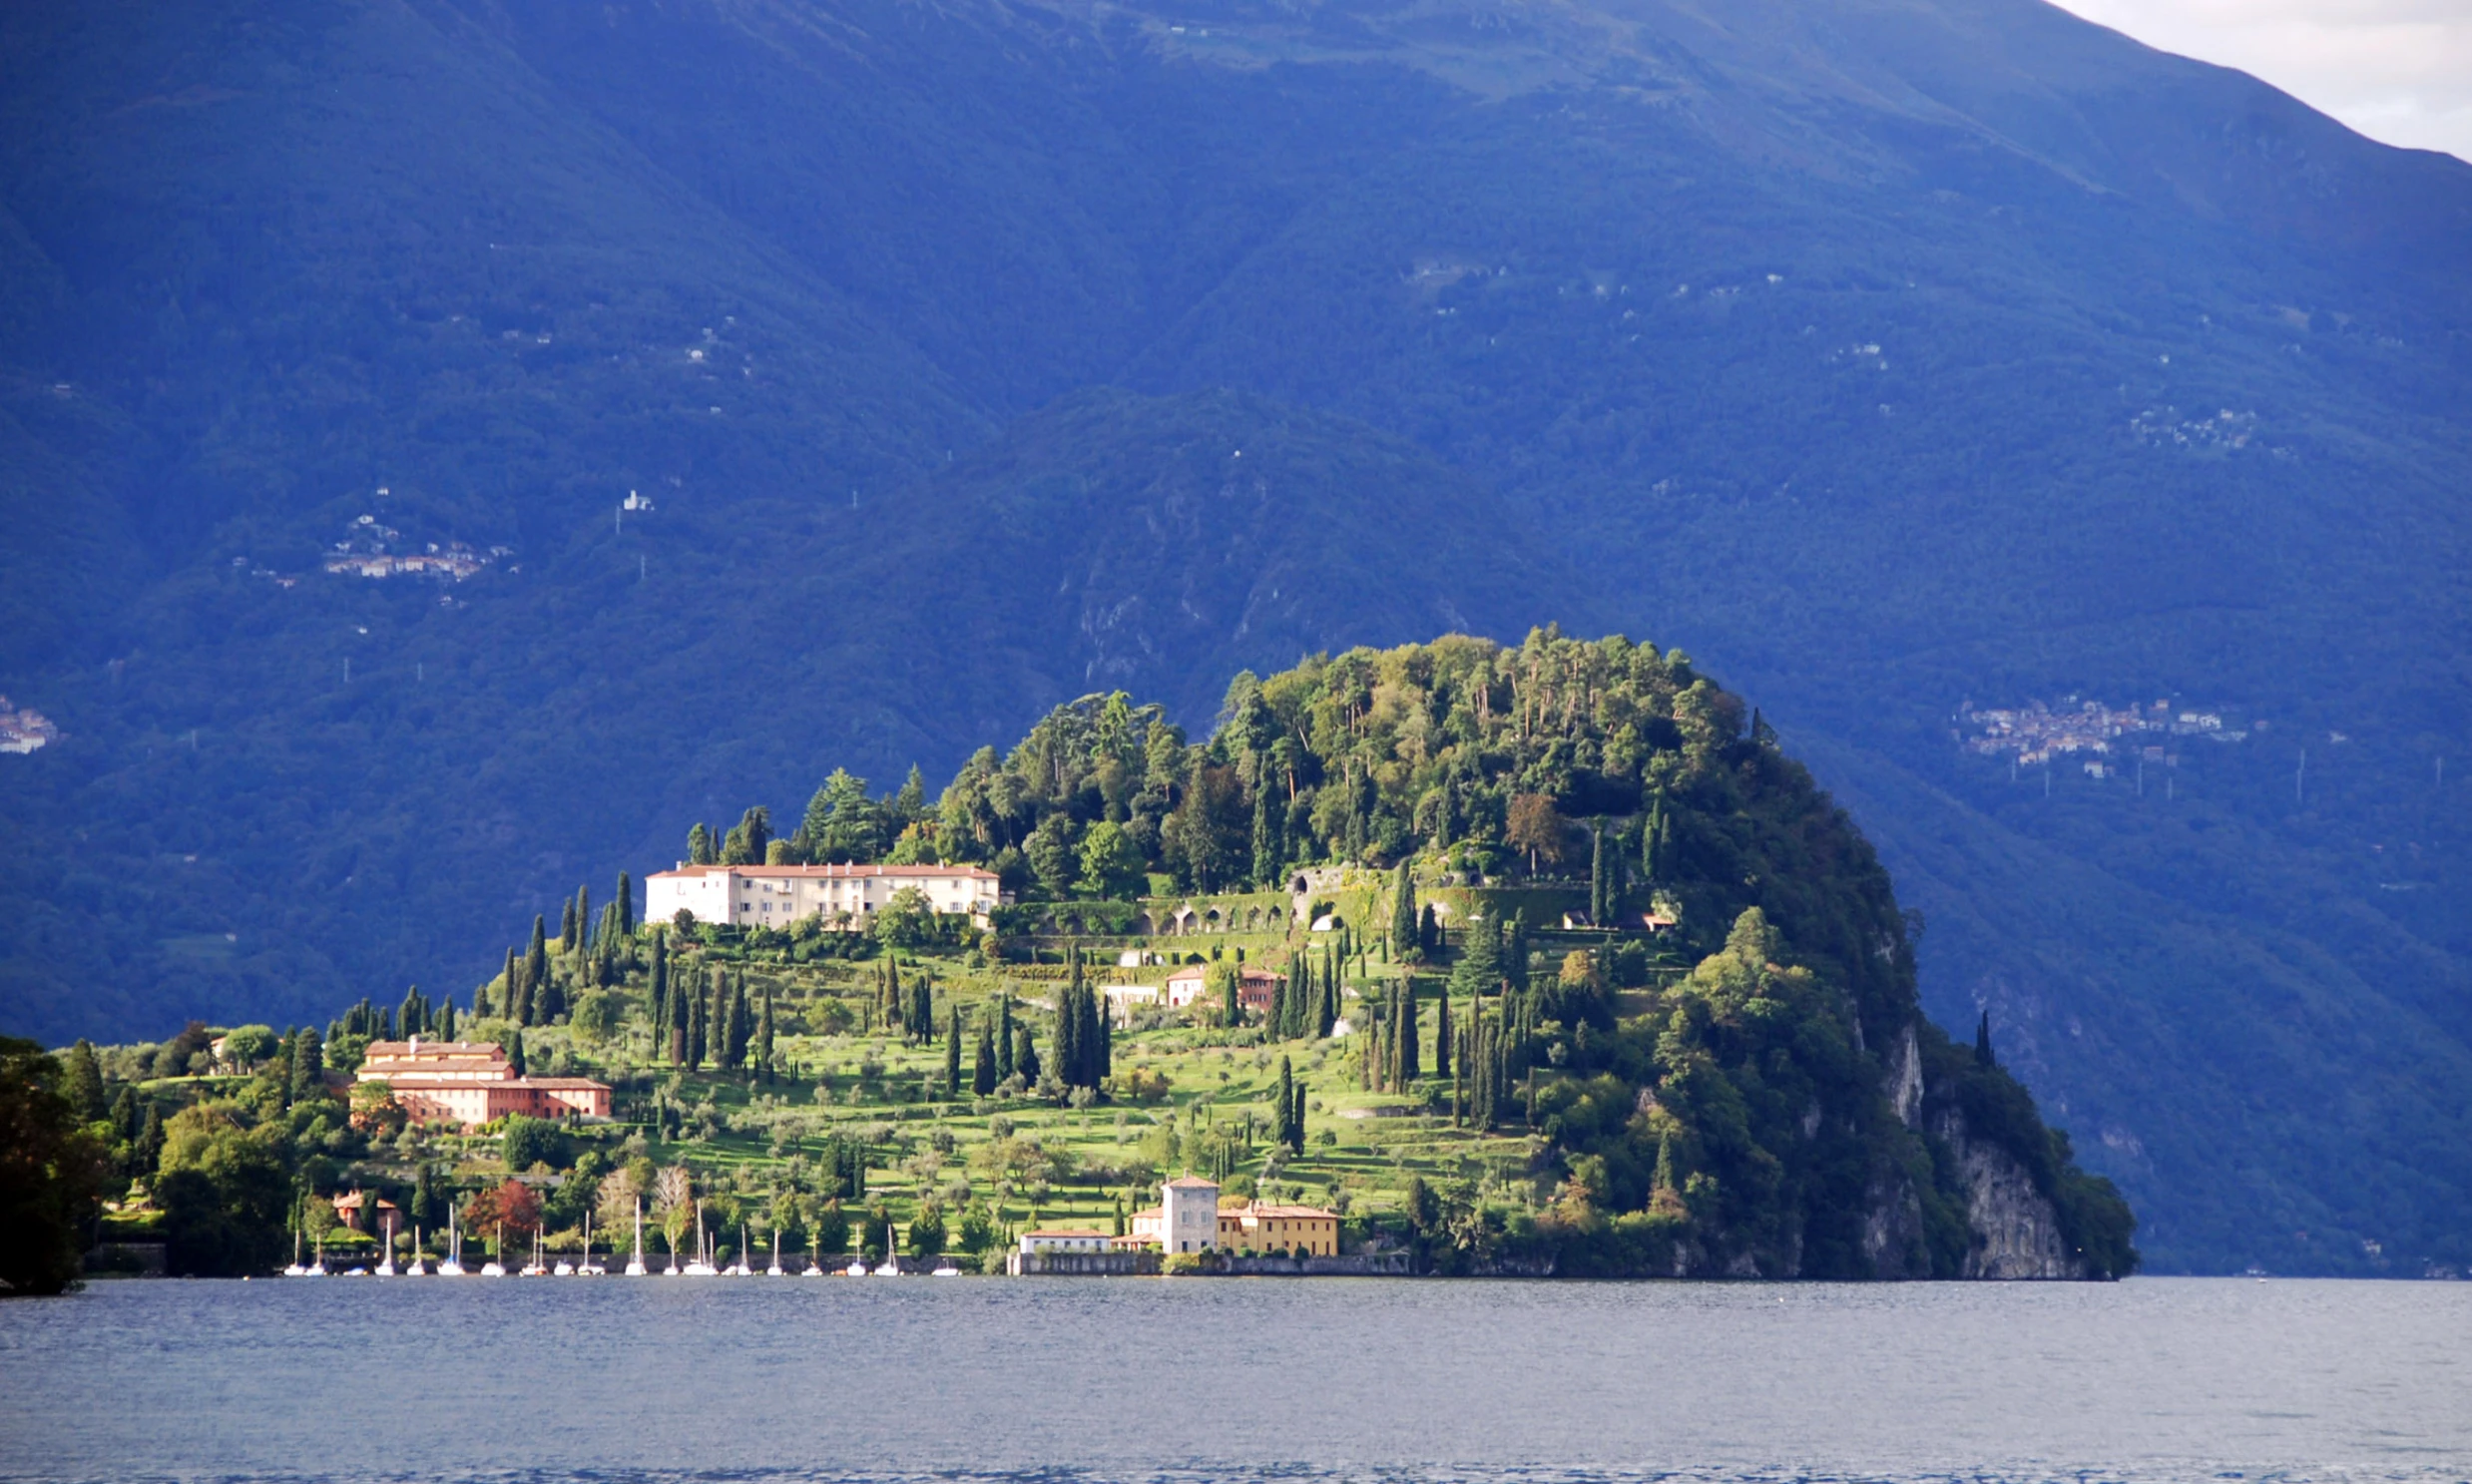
(2016, 1228)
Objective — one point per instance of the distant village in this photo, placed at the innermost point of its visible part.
(2103, 739)
(24, 730)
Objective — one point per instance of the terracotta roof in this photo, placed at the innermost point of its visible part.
(560, 1082)
(1290, 1213)
(844, 871)
(1192, 1182)
(1068, 1231)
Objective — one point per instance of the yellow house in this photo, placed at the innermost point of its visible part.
(1259, 1228)
(1247, 1227)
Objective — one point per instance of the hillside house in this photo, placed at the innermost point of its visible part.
(470, 1083)
(843, 898)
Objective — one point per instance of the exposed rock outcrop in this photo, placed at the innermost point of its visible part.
(2016, 1228)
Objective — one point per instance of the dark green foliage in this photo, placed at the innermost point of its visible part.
(952, 1048)
(51, 1172)
(308, 1063)
(515, 1053)
(983, 1071)
(527, 1141)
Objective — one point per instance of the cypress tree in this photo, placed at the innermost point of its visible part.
(1403, 940)
(549, 1001)
(515, 1054)
(308, 1064)
(1596, 874)
(952, 1048)
(1982, 1041)
(1411, 1065)
(1287, 1107)
(583, 920)
(983, 1075)
(697, 1015)
(148, 1151)
(1026, 1056)
(446, 1021)
(625, 905)
(1107, 1041)
(568, 927)
(536, 959)
(659, 977)
(1326, 1005)
(923, 996)
(407, 1015)
(764, 1037)
(1067, 1036)
(1268, 868)
(1008, 1046)
(1442, 1033)
(511, 992)
(126, 1120)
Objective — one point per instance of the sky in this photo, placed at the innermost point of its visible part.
(2400, 71)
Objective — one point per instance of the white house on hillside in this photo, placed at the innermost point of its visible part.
(841, 896)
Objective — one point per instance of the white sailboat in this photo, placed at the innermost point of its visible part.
(945, 1269)
(317, 1261)
(857, 1267)
(298, 1267)
(453, 1266)
(700, 1265)
(889, 1267)
(635, 1264)
(386, 1257)
(535, 1268)
(415, 1265)
(740, 1268)
(493, 1267)
(589, 1267)
(775, 1269)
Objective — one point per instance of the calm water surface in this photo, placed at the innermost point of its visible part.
(1132, 1379)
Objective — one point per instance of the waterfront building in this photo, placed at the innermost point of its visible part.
(1190, 1219)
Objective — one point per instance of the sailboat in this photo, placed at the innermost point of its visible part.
(493, 1267)
(635, 1264)
(453, 1266)
(535, 1268)
(740, 1268)
(589, 1268)
(700, 1265)
(317, 1261)
(889, 1267)
(945, 1269)
(415, 1266)
(297, 1269)
(775, 1269)
(815, 1264)
(857, 1267)
(386, 1257)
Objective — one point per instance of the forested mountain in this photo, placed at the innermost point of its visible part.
(1885, 358)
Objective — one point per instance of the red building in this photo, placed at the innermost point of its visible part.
(471, 1082)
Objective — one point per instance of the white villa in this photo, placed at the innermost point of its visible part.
(841, 896)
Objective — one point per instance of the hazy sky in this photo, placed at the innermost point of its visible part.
(2396, 70)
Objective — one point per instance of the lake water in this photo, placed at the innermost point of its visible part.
(1064, 1380)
